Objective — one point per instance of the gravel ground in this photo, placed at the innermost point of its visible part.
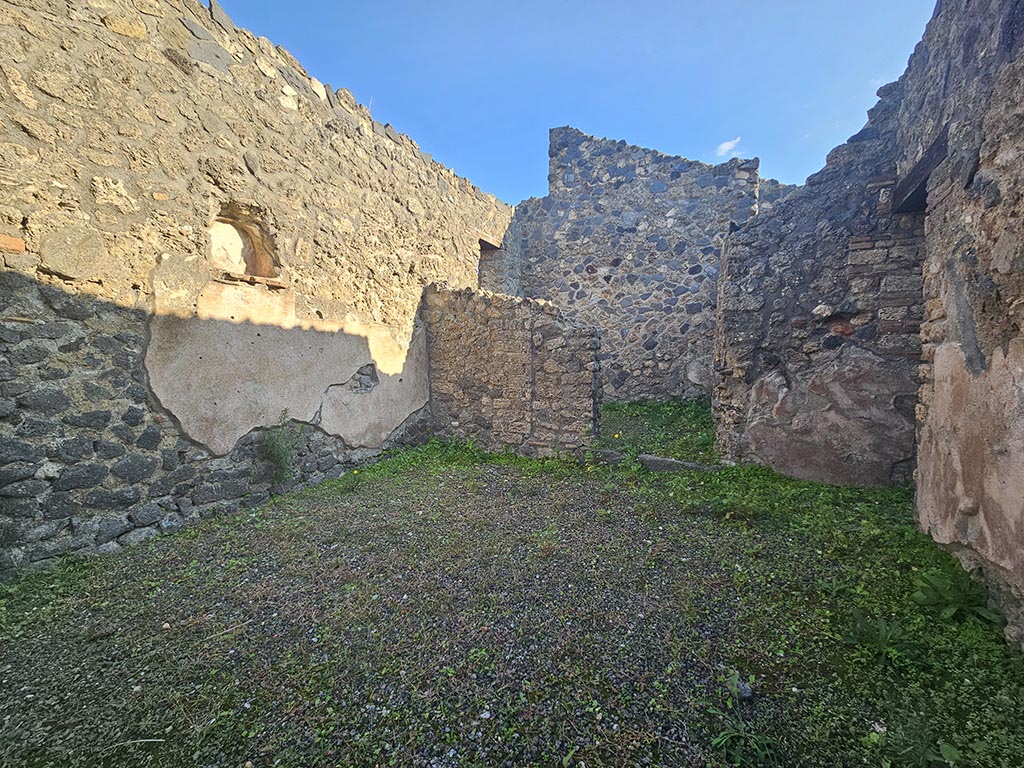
(448, 609)
(478, 617)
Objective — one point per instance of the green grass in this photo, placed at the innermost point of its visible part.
(455, 608)
(677, 429)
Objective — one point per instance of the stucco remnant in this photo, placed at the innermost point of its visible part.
(841, 422)
(250, 373)
(971, 482)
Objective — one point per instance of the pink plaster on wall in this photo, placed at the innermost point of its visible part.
(971, 463)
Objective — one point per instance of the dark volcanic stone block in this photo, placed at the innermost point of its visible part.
(89, 419)
(80, 476)
(150, 438)
(17, 450)
(119, 499)
(134, 468)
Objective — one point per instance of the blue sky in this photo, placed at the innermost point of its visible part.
(478, 83)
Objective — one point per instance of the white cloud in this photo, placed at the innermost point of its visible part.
(728, 148)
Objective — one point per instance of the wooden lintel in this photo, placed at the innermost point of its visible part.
(236, 277)
(911, 193)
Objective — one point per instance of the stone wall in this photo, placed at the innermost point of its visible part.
(88, 461)
(629, 240)
(198, 240)
(970, 489)
(818, 316)
(508, 372)
(823, 297)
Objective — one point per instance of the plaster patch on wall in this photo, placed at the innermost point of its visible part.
(241, 303)
(227, 247)
(835, 424)
(223, 379)
(365, 416)
(226, 357)
(971, 475)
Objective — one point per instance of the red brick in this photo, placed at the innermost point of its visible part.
(12, 244)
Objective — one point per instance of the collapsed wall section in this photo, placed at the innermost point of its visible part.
(508, 372)
(629, 240)
(199, 242)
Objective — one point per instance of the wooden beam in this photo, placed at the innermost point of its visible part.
(911, 193)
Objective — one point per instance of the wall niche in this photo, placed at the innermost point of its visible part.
(240, 245)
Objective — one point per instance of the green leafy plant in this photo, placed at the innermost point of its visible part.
(946, 753)
(913, 747)
(955, 598)
(835, 586)
(883, 640)
(738, 741)
(278, 445)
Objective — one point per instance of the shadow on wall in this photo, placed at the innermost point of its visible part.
(230, 351)
(219, 378)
